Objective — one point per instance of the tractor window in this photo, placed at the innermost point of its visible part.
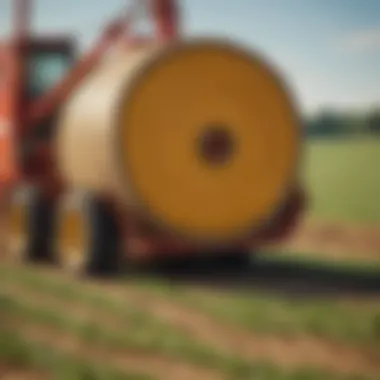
(45, 70)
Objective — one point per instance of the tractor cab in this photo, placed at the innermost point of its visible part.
(48, 61)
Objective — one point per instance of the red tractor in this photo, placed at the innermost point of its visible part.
(182, 147)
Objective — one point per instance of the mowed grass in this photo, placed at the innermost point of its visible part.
(264, 314)
(343, 179)
(113, 325)
(286, 317)
(19, 354)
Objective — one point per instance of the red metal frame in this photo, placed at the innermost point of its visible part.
(166, 15)
(19, 47)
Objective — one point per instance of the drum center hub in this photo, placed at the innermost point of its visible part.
(216, 145)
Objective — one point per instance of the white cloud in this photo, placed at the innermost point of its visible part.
(361, 41)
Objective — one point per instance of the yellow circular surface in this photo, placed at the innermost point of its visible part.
(172, 104)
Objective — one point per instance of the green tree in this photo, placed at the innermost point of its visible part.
(326, 123)
(373, 121)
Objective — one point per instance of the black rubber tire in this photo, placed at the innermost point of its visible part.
(104, 254)
(41, 219)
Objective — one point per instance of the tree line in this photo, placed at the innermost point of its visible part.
(332, 123)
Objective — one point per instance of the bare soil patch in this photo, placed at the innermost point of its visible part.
(335, 240)
(8, 372)
(18, 374)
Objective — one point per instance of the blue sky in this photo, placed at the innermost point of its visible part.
(328, 49)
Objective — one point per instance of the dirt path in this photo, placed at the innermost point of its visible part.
(286, 352)
(336, 240)
(11, 373)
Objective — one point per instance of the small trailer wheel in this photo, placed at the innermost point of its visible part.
(104, 256)
(89, 238)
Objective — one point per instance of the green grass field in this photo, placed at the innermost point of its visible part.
(343, 179)
(55, 327)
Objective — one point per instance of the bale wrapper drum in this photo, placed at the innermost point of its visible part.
(199, 137)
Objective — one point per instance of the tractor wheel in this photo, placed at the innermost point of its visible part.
(104, 246)
(90, 240)
(40, 222)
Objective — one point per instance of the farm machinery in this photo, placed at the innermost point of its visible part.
(180, 146)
